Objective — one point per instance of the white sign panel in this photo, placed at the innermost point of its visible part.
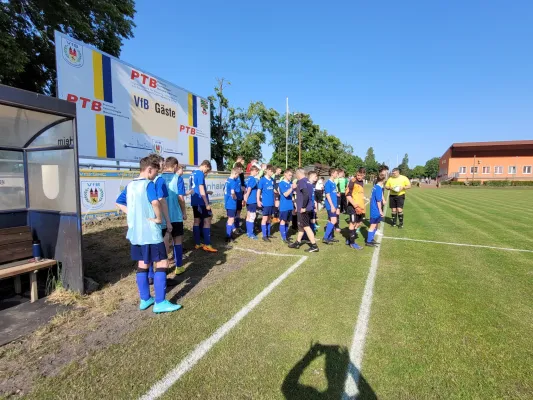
(125, 113)
(99, 190)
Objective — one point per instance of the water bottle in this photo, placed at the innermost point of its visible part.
(36, 250)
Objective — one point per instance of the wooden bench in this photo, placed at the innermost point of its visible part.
(16, 258)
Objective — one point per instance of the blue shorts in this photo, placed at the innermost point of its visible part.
(285, 215)
(148, 253)
(268, 211)
(231, 213)
(251, 208)
(332, 214)
(376, 220)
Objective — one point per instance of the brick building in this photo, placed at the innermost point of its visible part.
(483, 161)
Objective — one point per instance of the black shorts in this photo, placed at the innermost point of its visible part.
(304, 219)
(201, 212)
(396, 201)
(354, 217)
(319, 196)
(177, 229)
(239, 205)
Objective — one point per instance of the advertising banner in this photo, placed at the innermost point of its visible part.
(125, 113)
(99, 190)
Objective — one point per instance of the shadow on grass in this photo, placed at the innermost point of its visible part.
(337, 359)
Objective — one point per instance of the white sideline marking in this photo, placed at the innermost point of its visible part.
(201, 350)
(361, 326)
(267, 253)
(460, 244)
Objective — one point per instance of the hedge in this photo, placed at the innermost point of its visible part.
(488, 183)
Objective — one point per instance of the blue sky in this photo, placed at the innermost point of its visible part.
(404, 77)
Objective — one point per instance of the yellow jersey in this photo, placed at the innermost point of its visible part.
(400, 181)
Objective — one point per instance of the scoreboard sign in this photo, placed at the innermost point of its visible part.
(125, 113)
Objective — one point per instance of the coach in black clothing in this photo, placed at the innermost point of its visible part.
(305, 209)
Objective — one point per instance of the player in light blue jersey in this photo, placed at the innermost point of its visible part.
(332, 205)
(376, 210)
(176, 211)
(201, 207)
(139, 201)
(265, 200)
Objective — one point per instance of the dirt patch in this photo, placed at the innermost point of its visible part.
(104, 317)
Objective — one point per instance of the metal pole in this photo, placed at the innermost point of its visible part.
(287, 136)
(300, 143)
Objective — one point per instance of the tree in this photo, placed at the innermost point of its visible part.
(248, 136)
(432, 167)
(404, 166)
(418, 172)
(371, 164)
(222, 122)
(27, 51)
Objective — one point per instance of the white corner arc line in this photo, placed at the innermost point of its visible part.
(159, 388)
(353, 373)
(459, 244)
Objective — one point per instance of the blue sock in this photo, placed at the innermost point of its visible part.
(370, 237)
(142, 284)
(160, 285)
(196, 234)
(229, 229)
(329, 230)
(151, 271)
(237, 222)
(264, 230)
(178, 254)
(250, 228)
(286, 230)
(207, 236)
(283, 232)
(268, 228)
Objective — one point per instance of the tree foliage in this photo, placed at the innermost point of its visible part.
(27, 27)
(418, 172)
(222, 122)
(370, 163)
(432, 167)
(404, 166)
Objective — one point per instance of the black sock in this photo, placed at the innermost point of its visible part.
(400, 217)
(295, 222)
(353, 236)
(394, 218)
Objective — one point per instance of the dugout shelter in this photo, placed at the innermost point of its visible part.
(39, 183)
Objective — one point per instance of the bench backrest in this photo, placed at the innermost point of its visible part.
(15, 244)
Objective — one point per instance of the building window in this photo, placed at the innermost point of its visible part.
(462, 170)
(512, 169)
(498, 170)
(473, 170)
(486, 170)
(526, 170)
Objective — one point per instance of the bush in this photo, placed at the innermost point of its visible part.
(521, 183)
(498, 183)
(457, 183)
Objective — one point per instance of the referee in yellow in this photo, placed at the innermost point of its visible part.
(397, 184)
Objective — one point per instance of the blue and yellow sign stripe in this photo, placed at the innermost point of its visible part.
(103, 90)
(193, 110)
(193, 150)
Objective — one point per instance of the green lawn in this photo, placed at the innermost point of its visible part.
(446, 321)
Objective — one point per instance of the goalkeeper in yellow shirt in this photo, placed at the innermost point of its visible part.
(397, 184)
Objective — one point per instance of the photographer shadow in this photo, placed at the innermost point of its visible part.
(337, 359)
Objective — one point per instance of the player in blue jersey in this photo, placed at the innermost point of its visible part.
(176, 211)
(201, 207)
(286, 205)
(250, 198)
(313, 177)
(240, 196)
(332, 205)
(376, 210)
(139, 201)
(276, 178)
(230, 202)
(305, 209)
(265, 199)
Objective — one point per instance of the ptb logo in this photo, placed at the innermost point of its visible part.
(94, 105)
(145, 79)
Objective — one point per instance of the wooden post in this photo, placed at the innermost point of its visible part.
(33, 284)
(18, 286)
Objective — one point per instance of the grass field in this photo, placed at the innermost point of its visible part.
(446, 321)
